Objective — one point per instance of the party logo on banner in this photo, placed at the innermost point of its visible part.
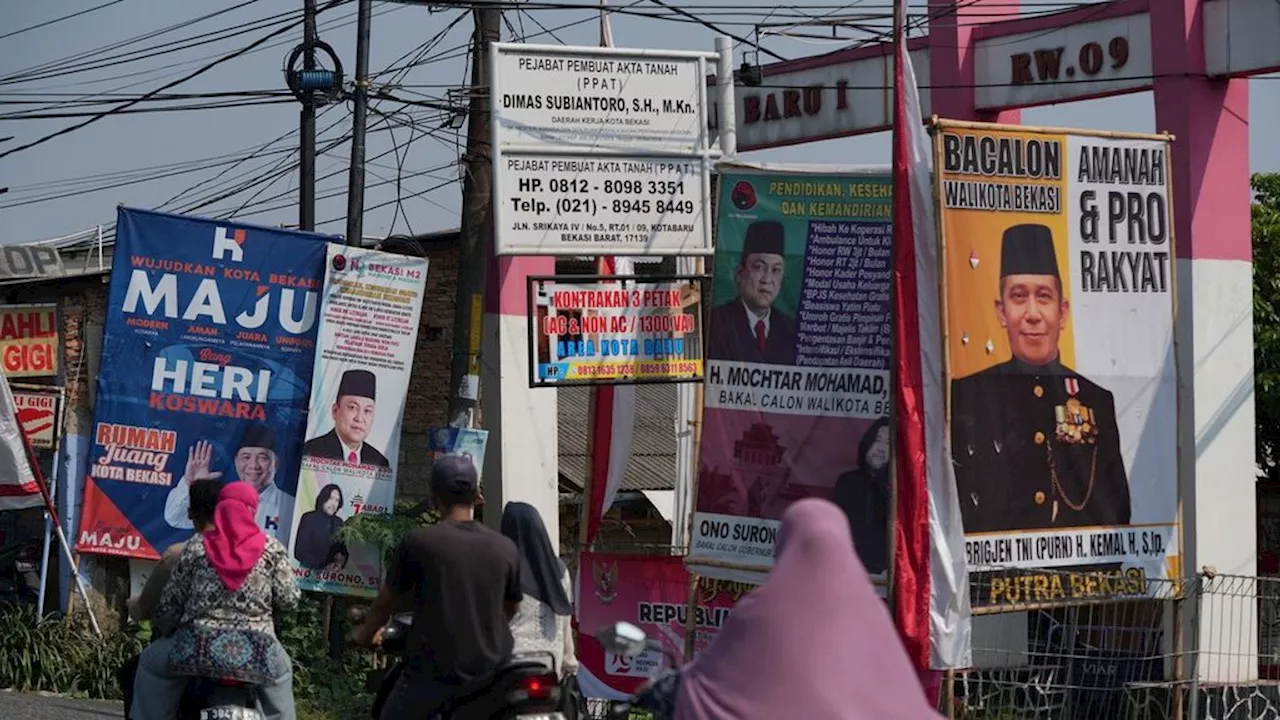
(368, 331)
(796, 399)
(207, 357)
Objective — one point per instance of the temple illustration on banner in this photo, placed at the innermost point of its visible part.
(758, 456)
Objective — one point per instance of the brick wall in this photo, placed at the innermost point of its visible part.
(427, 404)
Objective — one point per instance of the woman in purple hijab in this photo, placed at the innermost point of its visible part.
(814, 641)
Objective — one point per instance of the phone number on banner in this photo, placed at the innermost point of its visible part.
(626, 369)
(786, 390)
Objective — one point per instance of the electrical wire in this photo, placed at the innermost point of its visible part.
(73, 15)
(128, 104)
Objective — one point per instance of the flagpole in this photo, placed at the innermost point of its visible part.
(899, 30)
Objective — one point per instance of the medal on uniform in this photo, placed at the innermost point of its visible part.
(1075, 423)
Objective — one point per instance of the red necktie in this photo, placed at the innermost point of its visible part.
(352, 458)
(760, 337)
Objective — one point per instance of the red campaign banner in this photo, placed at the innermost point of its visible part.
(651, 592)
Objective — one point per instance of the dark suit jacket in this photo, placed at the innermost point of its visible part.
(732, 338)
(329, 447)
(1004, 442)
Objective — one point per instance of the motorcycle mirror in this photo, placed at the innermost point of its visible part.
(623, 639)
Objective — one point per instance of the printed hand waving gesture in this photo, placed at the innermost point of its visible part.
(198, 457)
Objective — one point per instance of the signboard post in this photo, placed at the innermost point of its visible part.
(610, 329)
(600, 151)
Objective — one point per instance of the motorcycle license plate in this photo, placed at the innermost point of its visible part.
(230, 712)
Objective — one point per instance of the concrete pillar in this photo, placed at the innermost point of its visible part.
(521, 460)
(951, 57)
(1210, 119)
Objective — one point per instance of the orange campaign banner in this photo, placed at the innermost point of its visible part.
(29, 340)
(1058, 260)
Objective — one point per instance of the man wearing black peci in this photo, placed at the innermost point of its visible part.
(749, 328)
(1034, 443)
(352, 419)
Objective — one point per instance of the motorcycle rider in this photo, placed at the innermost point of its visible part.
(462, 581)
(814, 641)
(204, 498)
(220, 601)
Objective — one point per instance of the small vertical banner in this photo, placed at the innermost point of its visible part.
(364, 356)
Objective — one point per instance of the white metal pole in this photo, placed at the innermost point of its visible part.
(724, 94)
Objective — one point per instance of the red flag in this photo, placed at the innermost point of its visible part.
(930, 598)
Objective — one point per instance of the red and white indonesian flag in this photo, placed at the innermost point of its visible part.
(613, 407)
(931, 598)
(18, 489)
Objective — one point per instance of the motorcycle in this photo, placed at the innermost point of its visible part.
(213, 699)
(20, 573)
(524, 688)
(628, 641)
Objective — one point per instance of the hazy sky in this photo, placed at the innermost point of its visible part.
(136, 148)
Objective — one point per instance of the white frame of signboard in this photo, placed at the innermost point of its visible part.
(706, 154)
(740, 572)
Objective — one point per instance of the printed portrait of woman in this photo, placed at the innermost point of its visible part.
(314, 546)
(863, 495)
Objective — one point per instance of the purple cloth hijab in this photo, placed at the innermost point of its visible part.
(814, 641)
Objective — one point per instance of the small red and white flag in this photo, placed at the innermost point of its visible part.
(18, 488)
(931, 583)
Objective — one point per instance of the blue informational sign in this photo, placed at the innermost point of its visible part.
(206, 367)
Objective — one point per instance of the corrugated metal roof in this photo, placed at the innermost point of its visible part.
(653, 449)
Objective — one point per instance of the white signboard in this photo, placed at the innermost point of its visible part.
(600, 101)
(600, 151)
(605, 206)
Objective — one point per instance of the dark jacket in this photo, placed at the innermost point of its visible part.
(1016, 461)
(863, 495)
(732, 338)
(329, 447)
(314, 546)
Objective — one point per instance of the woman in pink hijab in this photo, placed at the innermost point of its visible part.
(814, 641)
(216, 612)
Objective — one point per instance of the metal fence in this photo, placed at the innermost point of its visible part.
(1203, 648)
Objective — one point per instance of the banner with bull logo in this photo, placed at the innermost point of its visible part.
(207, 358)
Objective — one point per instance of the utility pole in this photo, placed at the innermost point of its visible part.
(307, 125)
(355, 179)
(477, 223)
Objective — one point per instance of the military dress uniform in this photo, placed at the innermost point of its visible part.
(1036, 447)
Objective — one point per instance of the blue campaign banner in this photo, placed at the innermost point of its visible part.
(207, 357)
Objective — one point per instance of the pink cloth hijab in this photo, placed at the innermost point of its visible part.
(236, 542)
(814, 641)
